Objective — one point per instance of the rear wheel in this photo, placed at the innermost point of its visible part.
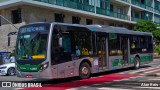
(84, 71)
(137, 63)
(11, 71)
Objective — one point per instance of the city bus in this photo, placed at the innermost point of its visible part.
(59, 50)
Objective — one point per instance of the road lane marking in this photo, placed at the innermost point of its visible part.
(18, 88)
(150, 88)
(110, 88)
(139, 70)
(155, 79)
(152, 71)
(143, 70)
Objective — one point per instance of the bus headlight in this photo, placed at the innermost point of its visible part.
(44, 66)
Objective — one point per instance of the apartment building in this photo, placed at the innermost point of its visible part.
(122, 13)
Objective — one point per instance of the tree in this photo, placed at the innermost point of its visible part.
(148, 26)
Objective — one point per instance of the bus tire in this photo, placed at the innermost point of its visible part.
(84, 71)
(137, 63)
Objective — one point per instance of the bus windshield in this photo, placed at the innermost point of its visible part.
(32, 45)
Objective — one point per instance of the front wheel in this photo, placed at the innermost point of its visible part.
(84, 71)
(11, 71)
(137, 63)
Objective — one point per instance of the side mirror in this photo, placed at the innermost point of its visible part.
(60, 42)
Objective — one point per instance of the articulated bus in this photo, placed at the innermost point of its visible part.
(59, 50)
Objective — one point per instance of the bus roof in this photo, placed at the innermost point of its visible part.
(101, 28)
(108, 29)
(112, 29)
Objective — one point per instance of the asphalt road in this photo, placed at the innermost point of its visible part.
(146, 78)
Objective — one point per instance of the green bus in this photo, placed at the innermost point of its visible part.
(59, 50)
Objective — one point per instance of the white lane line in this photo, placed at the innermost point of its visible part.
(142, 74)
(152, 71)
(18, 88)
(109, 88)
(125, 79)
(85, 87)
(133, 71)
(72, 89)
(155, 79)
(150, 87)
(117, 80)
(142, 70)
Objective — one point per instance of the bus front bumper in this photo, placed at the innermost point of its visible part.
(44, 75)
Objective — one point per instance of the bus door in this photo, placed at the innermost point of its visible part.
(125, 50)
(102, 49)
(61, 53)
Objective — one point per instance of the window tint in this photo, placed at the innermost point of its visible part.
(83, 42)
(140, 44)
(70, 43)
(144, 42)
(101, 44)
(61, 47)
(114, 44)
(150, 45)
(136, 42)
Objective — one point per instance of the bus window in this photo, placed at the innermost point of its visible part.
(114, 45)
(150, 45)
(61, 47)
(66, 43)
(76, 42)
(144, 43)
(101, 49)
(135, 44)
(140, 44)
(83, 42)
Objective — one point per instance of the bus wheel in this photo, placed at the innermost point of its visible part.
(137, 63)
(84, 71)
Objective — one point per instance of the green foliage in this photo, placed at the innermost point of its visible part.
(148, 26)
(157, 49)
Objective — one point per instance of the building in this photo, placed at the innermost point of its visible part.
(123, 13)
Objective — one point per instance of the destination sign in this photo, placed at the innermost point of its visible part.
(38, 28)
